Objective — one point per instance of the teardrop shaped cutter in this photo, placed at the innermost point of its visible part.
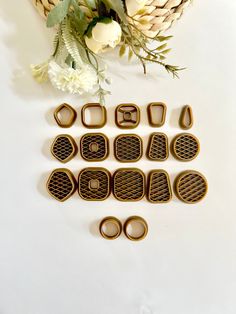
(186, 118)
(190, 186)
(159, 187)
(158, 148)
(61, 184)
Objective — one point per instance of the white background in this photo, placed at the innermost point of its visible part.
(52, 259)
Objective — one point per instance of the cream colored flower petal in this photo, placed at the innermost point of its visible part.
(106, 32)
(93, 45)
(133, 6)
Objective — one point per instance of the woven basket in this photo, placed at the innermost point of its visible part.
(160, 14)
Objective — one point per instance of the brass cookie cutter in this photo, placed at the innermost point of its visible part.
(64, 148)
(94, 125)
(158, 147)
(152, 120)
(185, 147)
(128, 147)
(159, 187)
(94, 147)
(129, 184)
(186, 118)
(61, 184)
(190, 186)
(72, 115)
(127, 116)
(115, 222)
(94, 184)
(136, 219)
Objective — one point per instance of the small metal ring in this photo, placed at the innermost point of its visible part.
(114, 221)
(139, 220)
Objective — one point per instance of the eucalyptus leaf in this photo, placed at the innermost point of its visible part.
(58, 13)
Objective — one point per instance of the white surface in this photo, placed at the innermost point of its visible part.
(52, 259)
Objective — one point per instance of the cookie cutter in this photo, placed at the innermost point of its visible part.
(127, 116)
(159, 187)
(94, 125)
(71, 119)
(186, 118)
(94, 146)
(128, 147)
(129, 184)
(185, 147)
(136, 219)
(158, 147)
(115, 222)
(190, 186)
(61, 184)
(94, 184)
(151, 118)
(64, 148)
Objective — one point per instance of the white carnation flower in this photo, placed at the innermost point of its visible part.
(72, 80)
(104, 35)
(133, 6)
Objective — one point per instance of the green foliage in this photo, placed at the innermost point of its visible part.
(139, 46)
(73, 24)
(78, 18)
(58, 13)
(118, 7)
